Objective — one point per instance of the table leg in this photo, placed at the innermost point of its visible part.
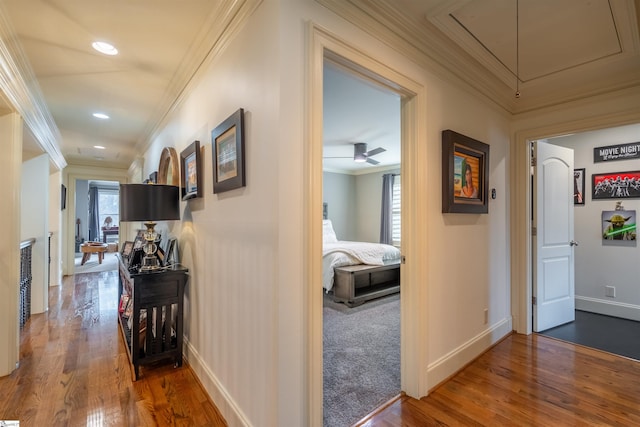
(100, 255)
(85, 257)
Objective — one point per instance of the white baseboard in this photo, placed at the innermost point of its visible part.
(608, 308)
(454, 361)
(216, 391)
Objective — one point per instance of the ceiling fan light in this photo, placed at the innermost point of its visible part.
(360, 152)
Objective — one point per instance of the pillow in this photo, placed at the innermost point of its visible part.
(328, 235)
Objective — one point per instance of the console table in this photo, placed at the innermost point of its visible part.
(150, 313)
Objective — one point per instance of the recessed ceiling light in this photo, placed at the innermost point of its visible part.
(100, 116)
(105, 48)
(99, 147)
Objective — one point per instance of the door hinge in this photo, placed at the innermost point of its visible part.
(533, 161)
(534, 300)
(534, 231)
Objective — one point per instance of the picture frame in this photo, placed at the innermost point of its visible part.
(172, 251)
(191, 176)
(464, 192)
(615, 185)
(127, 248)
(578, 186)
(139, 241)
(228, 151)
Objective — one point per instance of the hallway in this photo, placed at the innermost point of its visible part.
(74, 370)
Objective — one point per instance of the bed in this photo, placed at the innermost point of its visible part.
(339, 253)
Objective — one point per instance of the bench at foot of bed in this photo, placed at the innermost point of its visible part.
(355, 284)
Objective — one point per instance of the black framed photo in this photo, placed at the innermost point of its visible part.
(191, 176)
(227, 141)
(139, 241)
(172, 251)
(127, 248)
(465, 174)
(578, 186)
(615, 185)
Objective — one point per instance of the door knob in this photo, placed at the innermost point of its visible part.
(573, 243)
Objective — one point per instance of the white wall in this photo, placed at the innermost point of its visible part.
(55, 227)
(597, 263)
(245, 303)
(35, 224)
(11, 166)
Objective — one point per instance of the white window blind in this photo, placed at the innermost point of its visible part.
(395, 211)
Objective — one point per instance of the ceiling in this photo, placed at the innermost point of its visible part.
(554, 52)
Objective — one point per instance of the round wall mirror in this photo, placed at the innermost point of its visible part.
(169, 170)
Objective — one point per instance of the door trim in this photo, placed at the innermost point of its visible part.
(414, 295)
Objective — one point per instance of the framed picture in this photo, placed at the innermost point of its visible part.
(578, 186)
(615, 185)
(127, 248)
(191, 171)
(139, 241)
(465, 174)
(619, 225)
(227, 141)
(171, 256)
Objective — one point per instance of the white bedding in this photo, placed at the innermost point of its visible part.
(341, 253)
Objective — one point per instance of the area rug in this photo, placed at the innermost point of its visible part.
(110, 262)
(361, 358)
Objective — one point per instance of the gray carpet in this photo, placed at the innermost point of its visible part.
(361, 358)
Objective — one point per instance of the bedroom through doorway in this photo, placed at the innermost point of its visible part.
(361, 281)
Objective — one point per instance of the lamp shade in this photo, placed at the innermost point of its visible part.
(149, 202)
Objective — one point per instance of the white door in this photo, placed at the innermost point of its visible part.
(553, 284)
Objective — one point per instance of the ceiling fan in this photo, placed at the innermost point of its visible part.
(361, 155)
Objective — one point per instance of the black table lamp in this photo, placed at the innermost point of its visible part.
(149, 203)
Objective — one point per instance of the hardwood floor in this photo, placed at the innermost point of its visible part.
(528, 381)
(74, 369)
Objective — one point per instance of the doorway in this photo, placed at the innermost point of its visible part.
(361, 345)
(588, 276)
(414, 325)
(603, 295)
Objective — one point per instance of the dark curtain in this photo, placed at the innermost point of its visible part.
(386, 220)
(94, 215)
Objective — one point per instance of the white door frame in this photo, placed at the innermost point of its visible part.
(413, 331)
(70, 175)
(521, 241)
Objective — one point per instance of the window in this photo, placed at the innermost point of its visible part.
(108, 202)
(395, 211)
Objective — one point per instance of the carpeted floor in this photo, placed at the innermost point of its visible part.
(610, 334)
(361, 358)
(110, 262)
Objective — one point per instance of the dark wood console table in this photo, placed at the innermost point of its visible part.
(150, 314)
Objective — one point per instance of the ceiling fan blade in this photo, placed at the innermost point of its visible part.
(375, 151)
(373, 162)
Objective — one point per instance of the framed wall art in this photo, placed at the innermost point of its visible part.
(578, 186)
(191, 176)
(615, 185)
(227, 141)
(465, 174)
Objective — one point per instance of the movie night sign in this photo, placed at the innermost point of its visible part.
(617, 152)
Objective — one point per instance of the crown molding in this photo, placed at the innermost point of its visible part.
(21, 90)
(418, 38)
(222, 25)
